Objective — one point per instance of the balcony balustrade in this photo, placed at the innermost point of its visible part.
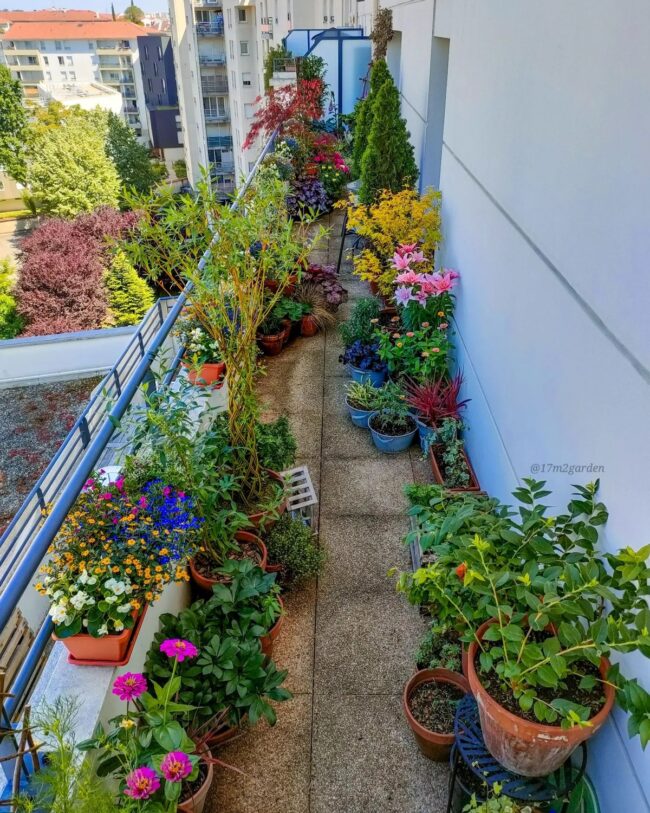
(216, 117)
(214, 84)
(210, 29)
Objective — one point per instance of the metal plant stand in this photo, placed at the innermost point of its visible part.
(469, 756)
(301, 494)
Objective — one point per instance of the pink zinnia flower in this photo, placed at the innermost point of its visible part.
(119, 483)
(403, 295)
(142, 783)
(176, 766)
(142, 502)
(130, 685)
(89, 483)
(107, 496)
(181, 495)
(179, 649)
(400, 262)
(166, 491)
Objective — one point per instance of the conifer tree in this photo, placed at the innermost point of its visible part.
(388, 161)
(363, 121)
(129, 297)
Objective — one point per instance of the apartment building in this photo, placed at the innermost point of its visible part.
(532, 119)
(76, 51)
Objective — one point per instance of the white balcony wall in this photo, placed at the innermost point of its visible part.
(546, 190)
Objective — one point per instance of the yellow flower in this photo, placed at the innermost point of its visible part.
(126, 722)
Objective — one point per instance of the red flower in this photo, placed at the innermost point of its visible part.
(461, 570)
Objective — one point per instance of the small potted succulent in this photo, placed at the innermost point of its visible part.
(202, 359)
(112, 557)
(449, 461)
(433, 401)
(364, 363)
(429, 702)
(392, 426)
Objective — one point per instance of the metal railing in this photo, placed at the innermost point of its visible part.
(223, 142)
(206, 29)
(285, 65)
(215, 117)
(214, 84)
(24, 543)
(209, 59)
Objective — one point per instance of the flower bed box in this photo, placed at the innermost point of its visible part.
(437, 468)
(110, 650)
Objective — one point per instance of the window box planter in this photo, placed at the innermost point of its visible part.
(434, 745)
(268, 640)
(359, 417)
(376, 378)
(108, 650)
(435, 453)
(525, 747)
(208, 375)
(205, 582)
(391, 444)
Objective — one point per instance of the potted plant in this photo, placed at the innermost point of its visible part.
(449, 461)
(316, 312)
(147, 749)
(326, 278)
(542, 609)
(294, 551)
(420, 355)
(439, 648)
(392, 426)
(362, 399)
(272, 334)
(202, 359)
(291, 312)
(364, 363)
(112, 557)
(231, 681)
(431, 402)
(360, 326)
(429, 702)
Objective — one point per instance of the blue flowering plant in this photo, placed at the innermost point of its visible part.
(363, 356)
(115, 553)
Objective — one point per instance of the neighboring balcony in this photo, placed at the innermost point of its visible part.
(214, 84)
(209, 3)
(210, 29)
(222, 142)
(210, 59)
(222, 168)
(285, 72)
(216, 117)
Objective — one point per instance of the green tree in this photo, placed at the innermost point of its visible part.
(278, 52)
(69, 171)
(131, 158)
(129, 297)
(388, 162)
(10, 322)
(364, 114)
(13, 125)
(134, 14)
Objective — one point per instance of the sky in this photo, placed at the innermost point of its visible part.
(93, 5)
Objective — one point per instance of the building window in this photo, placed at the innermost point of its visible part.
(241, 15)
(69, 60)
(164, 85)
(231, 46)
(150, 83)
(229, 17)
(91, 45)
(61, 60)
(155, 69)
(64, 76)
(249, 110)
(233, 79)
(146, 52)
(57, 44)
(48, 75)
(46, 61)
(247, 79)
(243, 48)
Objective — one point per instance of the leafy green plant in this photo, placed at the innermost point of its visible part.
(277, 444)
(496, 804)
(439, 649)
(421, 355)
(287, 308)
(456, 472)
(65, 784)
(294, 546)
(363, 395)
(364, 113)
(11, 323)
(557, 604)
(246, 602)
(129, 297)
(200, 348)
(360, 327)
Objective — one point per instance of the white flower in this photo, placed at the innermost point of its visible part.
(119, 626)
(103, 630)
(85, 622)
(109, 584)
(57, 613)
(124, 608)
(83, 578)
(57, 595)
(119, 588)
(78, 600)
(110, 599)
(92, 580)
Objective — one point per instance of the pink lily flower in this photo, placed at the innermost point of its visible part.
(408, 278)
(400, 262)
(418, 257)
(406, 248)
(403, 295)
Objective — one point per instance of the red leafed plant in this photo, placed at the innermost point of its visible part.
(301, 101)
(436, 400)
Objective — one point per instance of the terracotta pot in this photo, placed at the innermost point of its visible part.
(374, 288)
(206, 583)
(464, 659)
(207, 375)
(268, 640)
(273, 568)
(308, 326)
(433, 745)
(196, 803)
(265, 519)
(272, 344)
(106, 649)
(524, 747)
(436, 468)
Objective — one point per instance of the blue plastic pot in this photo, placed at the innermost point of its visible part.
(391, 444)
(363, 376)
(359, 416)
(425, 433)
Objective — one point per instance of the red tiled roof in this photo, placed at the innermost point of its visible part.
(51, 14)
(70, 30)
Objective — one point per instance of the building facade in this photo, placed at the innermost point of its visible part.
(78, 51)
(532, 119)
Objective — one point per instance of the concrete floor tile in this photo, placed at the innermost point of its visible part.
(294, 647)
(365, 487)
(276, 761)
(360, 551)
(291, 394)
(334, 396)
(364, 642)
(342, 439)
(366, 761)
(420, 465)
(333, 367)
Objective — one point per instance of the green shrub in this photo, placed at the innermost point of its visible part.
(180, 168)
(294, 546)
(359, 326)
(439, 649)
(276, 444)
(129, 296)
(11, 323)
(364, 114)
